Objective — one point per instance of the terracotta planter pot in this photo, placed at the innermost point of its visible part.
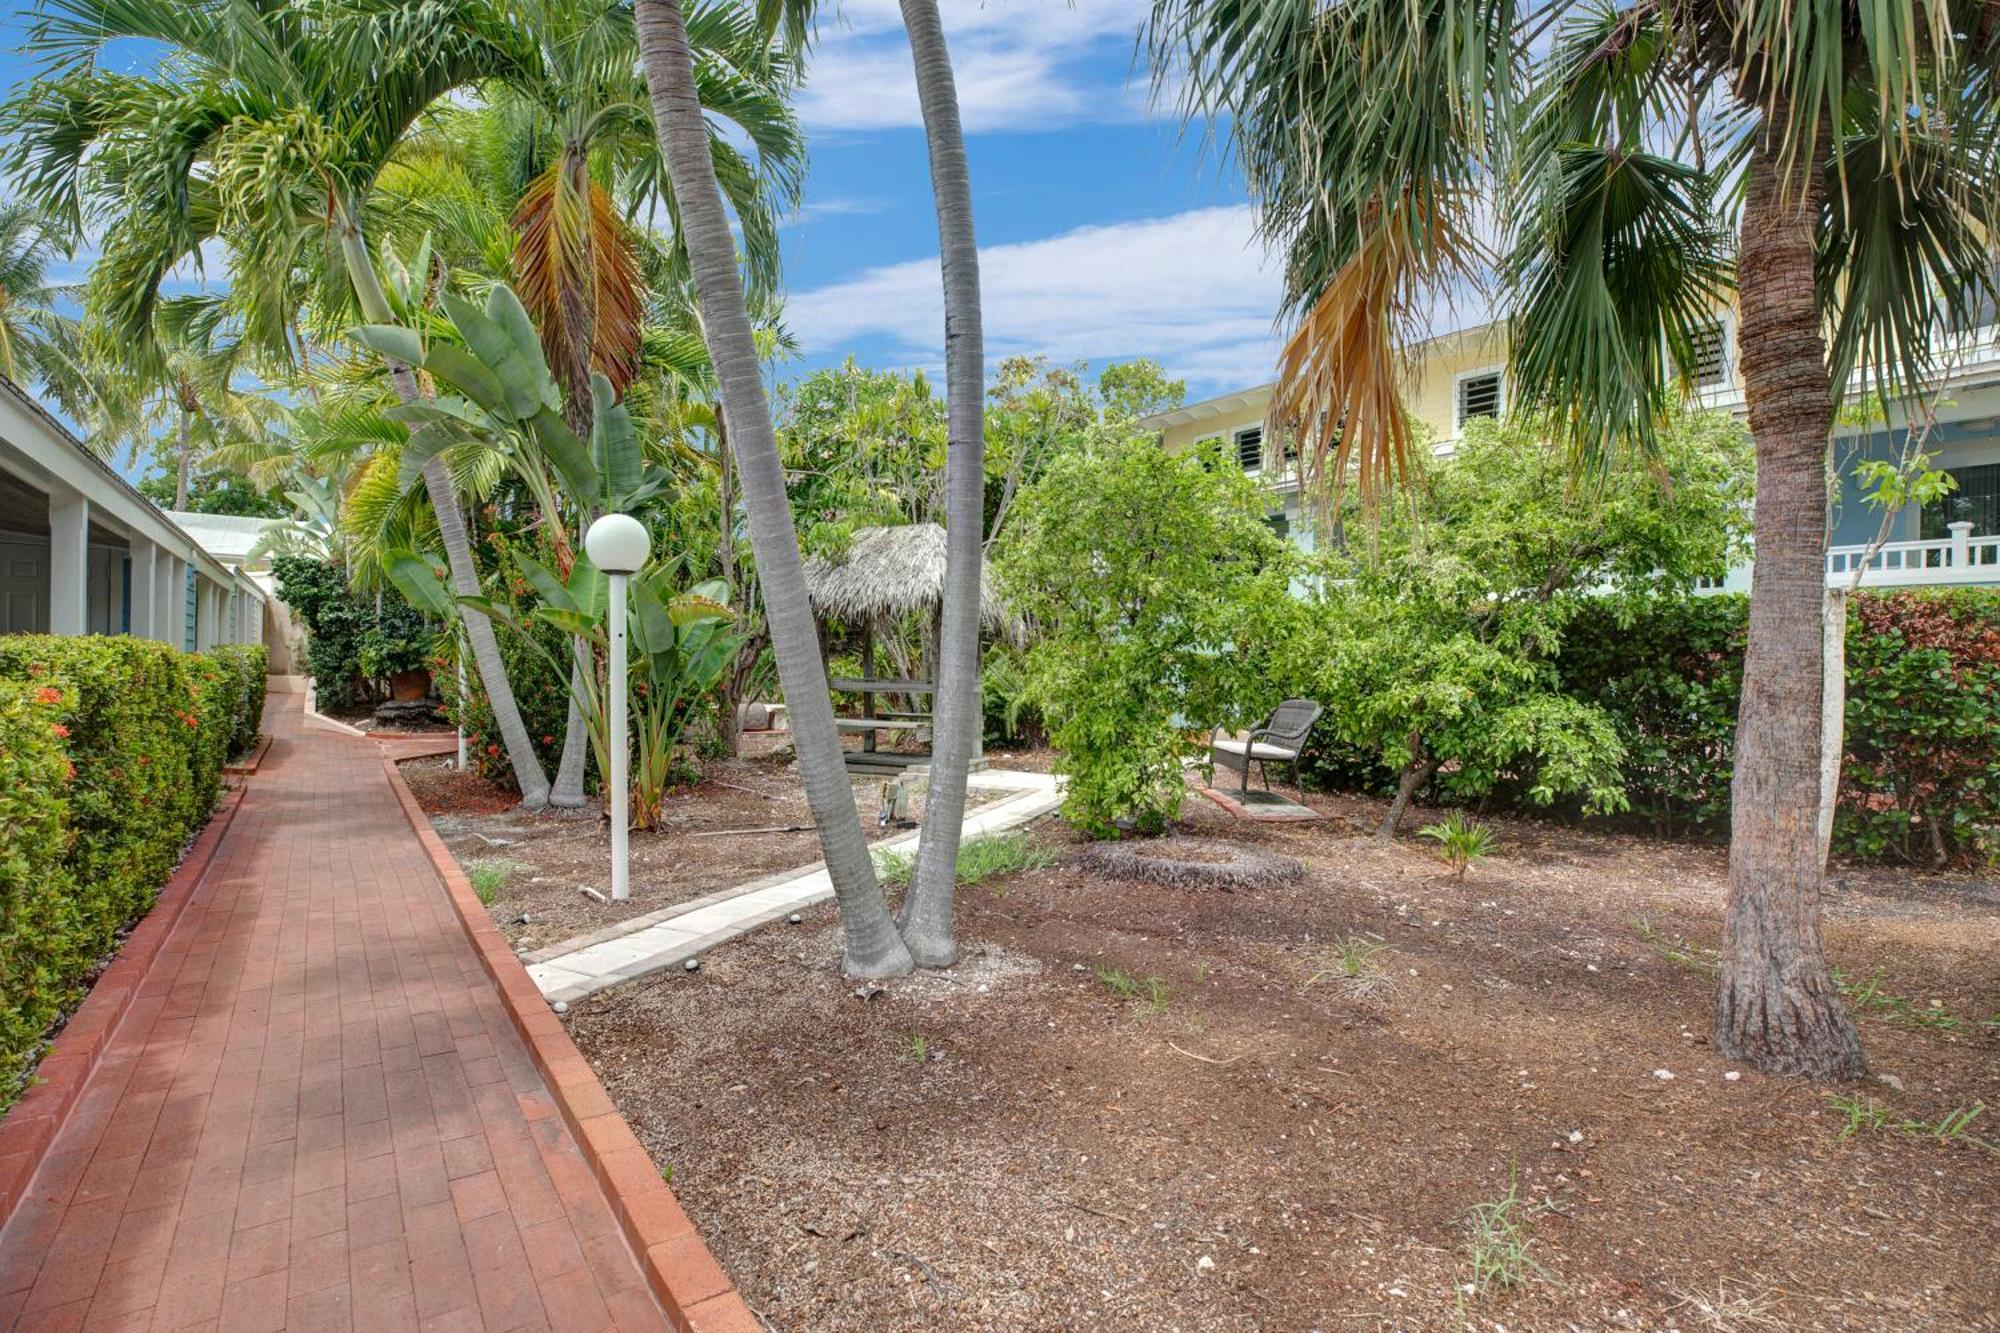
(406, 686)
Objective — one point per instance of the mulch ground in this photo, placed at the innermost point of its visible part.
(717, 832)
(1151, 1108)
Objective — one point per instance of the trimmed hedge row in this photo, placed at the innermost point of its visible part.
(111, 757)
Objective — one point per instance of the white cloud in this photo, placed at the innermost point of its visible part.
(1019, 64)
(1193, 291)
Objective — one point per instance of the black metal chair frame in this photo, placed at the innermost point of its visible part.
(1288, 733)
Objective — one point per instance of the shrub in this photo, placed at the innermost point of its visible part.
(540, 693)
(1921, 780)
(111, 754)
(353, 640)
(44, 946)
(1144, 571)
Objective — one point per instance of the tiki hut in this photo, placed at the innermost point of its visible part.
(890, 576)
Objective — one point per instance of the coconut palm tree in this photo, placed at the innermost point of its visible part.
(1828, 166)
(264, 128)
(926, 919)
(187, 387)
(872, 945)
(40, 345)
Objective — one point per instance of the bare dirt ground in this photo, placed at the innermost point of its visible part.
(1147, 1108)
(723, 830)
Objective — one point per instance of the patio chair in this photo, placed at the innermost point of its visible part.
(1281, 738)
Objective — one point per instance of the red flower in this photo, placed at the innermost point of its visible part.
(492, 749)
(60, 730)
(48, 694)
(145, 759)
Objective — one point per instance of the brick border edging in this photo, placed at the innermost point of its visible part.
(30, 1126)
(249, 763)
(697, 1295)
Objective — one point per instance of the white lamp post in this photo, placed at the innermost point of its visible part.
(618, 545)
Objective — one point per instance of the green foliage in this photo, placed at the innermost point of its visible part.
(1497, 1248)
(1435, 649)
(1351, 961)
(111, 754)
(489, 877)
(1007, 703)
(1860, 1112)
(1921, 780)
(979, 858)
(47, 941)
(1460, 841)
(530, 651)
(1149, 991)
(211, 490)
(1146, 575)
(353, 640)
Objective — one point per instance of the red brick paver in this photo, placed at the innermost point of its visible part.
(317, 1114)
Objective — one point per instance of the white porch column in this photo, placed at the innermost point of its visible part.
(145, 589)
(177, 601)
(165, 628)
(69, 563)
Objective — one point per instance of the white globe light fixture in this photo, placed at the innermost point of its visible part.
(618, 545)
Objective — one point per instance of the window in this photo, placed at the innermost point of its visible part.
(1478, 396)
(1250, 448)
(1711, 356)
(1976, 501)
(1280, 525)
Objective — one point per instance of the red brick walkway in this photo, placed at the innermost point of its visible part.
(317, 1115)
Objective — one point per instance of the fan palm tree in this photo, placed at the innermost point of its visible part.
(1850, 149)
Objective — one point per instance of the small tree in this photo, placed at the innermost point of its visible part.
(1432, 649)
(1148, 575)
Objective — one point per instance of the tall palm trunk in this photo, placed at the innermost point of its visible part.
(873, 948)
(185, 473)
(927, 911)
(528, 775)
(1776, 1004)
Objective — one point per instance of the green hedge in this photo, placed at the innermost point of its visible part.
(1921, 781)
(111, 756)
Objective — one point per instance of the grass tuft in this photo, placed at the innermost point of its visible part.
(1858, 1113)
(1460, 841)
(489, 877)
(1149, 991)
(978, 858)
(1497, 1248)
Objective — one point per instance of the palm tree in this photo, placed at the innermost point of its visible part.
(40, 345)
(1851, 145)
(265, 128)
(872, 945)
(184, 387)
(926, 920)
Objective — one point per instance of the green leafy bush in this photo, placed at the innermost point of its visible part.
(44, 947)
(353, 641)
(1921, 780)
(1144, 572)
(111, 755)
(1433, 643)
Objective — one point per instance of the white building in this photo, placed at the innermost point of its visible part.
(83, 552)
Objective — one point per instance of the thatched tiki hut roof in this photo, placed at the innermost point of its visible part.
(889, 573)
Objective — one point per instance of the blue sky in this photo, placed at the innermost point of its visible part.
(1104, 232)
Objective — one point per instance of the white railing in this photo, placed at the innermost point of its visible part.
(1958, 559)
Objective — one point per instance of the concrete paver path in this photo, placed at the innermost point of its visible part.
(643, 945)
(316, 1114)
